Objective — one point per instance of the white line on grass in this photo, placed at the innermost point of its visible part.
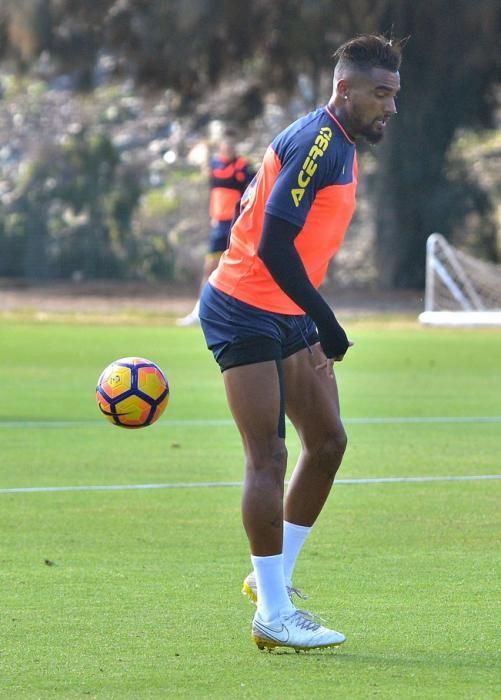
(233, 484)
(202, 422)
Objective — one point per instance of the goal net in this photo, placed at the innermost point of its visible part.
(461, 290)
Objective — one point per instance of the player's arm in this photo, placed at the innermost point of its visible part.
(279, 254)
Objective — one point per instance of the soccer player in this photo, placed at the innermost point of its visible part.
(229, 176)
(276, 339)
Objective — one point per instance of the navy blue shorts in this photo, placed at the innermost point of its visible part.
(219, 236)
(241, 334)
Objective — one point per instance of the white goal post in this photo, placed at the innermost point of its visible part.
(461, 290)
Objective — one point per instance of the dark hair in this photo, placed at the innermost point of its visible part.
(229, 132)
(369, 50)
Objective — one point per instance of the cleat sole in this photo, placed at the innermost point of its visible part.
(270, 644)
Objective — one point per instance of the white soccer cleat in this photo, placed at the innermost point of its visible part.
(249, 589)
(191, 319)
(297, 630)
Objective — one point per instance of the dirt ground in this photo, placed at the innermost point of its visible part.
(163, 299)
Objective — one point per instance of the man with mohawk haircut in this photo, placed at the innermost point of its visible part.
(275, 337)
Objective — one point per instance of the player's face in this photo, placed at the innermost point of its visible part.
(370, 103)
(228, 148)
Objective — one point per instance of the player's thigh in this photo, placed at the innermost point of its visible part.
(311, 397)
(255, 397)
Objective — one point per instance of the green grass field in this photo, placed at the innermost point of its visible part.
(136, 593)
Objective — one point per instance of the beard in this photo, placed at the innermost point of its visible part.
(371, 134)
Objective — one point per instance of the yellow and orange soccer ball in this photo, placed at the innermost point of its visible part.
(132, 392)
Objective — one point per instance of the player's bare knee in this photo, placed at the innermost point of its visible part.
(341, 440)
(331, 439)
(328, 452)
(267, 459)
(332, 452)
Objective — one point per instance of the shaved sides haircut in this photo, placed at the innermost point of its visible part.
(369, 51)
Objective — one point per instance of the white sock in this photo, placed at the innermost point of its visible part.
(272, 596)
(294, 538)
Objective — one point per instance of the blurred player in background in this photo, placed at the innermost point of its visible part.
(228, 178)
(276, 339)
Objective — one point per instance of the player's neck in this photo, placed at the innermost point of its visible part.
(338, 112)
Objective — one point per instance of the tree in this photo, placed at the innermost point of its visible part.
(25, 30)
(73, 213)
(450, 65)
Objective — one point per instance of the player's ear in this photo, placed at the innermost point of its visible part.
(342, 88)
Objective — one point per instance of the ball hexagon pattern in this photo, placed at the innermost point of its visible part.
(132, 392)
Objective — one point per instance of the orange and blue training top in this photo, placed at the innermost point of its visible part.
(228, 181)
(308, 177)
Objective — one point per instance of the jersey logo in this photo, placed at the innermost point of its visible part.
(310, 165)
